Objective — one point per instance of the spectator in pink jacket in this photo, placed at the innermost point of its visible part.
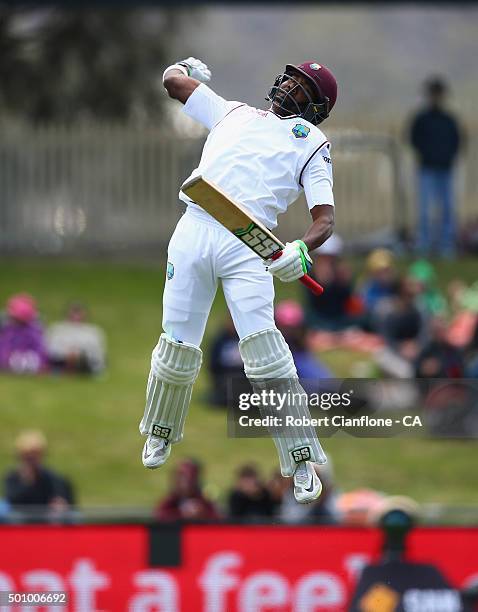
(22, 346)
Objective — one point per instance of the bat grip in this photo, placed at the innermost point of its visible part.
(311, 284)
(306, 280)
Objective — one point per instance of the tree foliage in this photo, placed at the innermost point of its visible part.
(69, 65)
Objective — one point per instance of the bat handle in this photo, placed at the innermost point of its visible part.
(306, 280)
(311, 284)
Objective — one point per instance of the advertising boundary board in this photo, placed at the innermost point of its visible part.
(203, 568)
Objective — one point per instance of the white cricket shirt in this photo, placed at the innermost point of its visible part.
(261, 160)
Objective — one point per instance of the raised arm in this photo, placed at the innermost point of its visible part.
(182, 78)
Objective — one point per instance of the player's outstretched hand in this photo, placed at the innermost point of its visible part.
(294, 262)
(196, 69)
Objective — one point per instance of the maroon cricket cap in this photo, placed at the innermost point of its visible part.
(322, 78)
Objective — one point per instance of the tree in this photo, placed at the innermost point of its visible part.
(71, 64)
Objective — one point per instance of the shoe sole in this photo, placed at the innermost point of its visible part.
(153, 467)
(308, 500)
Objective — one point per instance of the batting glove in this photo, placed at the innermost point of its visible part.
(196, 69)
(292, 264)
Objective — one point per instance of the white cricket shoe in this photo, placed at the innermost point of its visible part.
(156, 451)
(307, 485)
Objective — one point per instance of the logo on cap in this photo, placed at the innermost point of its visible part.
(315, 66)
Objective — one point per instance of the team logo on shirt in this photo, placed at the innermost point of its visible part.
(169, 271)
(300, 131)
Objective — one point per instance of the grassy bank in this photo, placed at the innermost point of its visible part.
(92, 423)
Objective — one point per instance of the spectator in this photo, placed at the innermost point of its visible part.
(403, 329)
(249, 498)
(290, 320)
(31, 483)
(360, 507)
(22, 345)
(450, 409)
(74, 345)
(472, 354)
(462, 331)
(226, 367)
(186, 501)
(278, 487)
(429, 299)
(380, 286)
(438, 358)
(386, 584)
(435, 137)
(337, 308)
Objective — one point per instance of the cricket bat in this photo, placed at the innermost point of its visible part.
(240, 222)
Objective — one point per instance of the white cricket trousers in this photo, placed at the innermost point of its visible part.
(200, 253)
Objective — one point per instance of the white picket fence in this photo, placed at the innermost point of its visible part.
(113, 189)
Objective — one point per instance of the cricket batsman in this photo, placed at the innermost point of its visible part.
(263, 159)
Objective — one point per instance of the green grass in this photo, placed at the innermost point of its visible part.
(92, 424)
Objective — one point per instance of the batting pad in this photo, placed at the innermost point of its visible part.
(174, 368)
(269, 365)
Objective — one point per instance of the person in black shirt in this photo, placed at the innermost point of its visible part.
(33, 485)
(335, 310)
(226, 367)
(438, 358)
(435, 137)
(404, 329)
(250, 500)
(395, 582)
